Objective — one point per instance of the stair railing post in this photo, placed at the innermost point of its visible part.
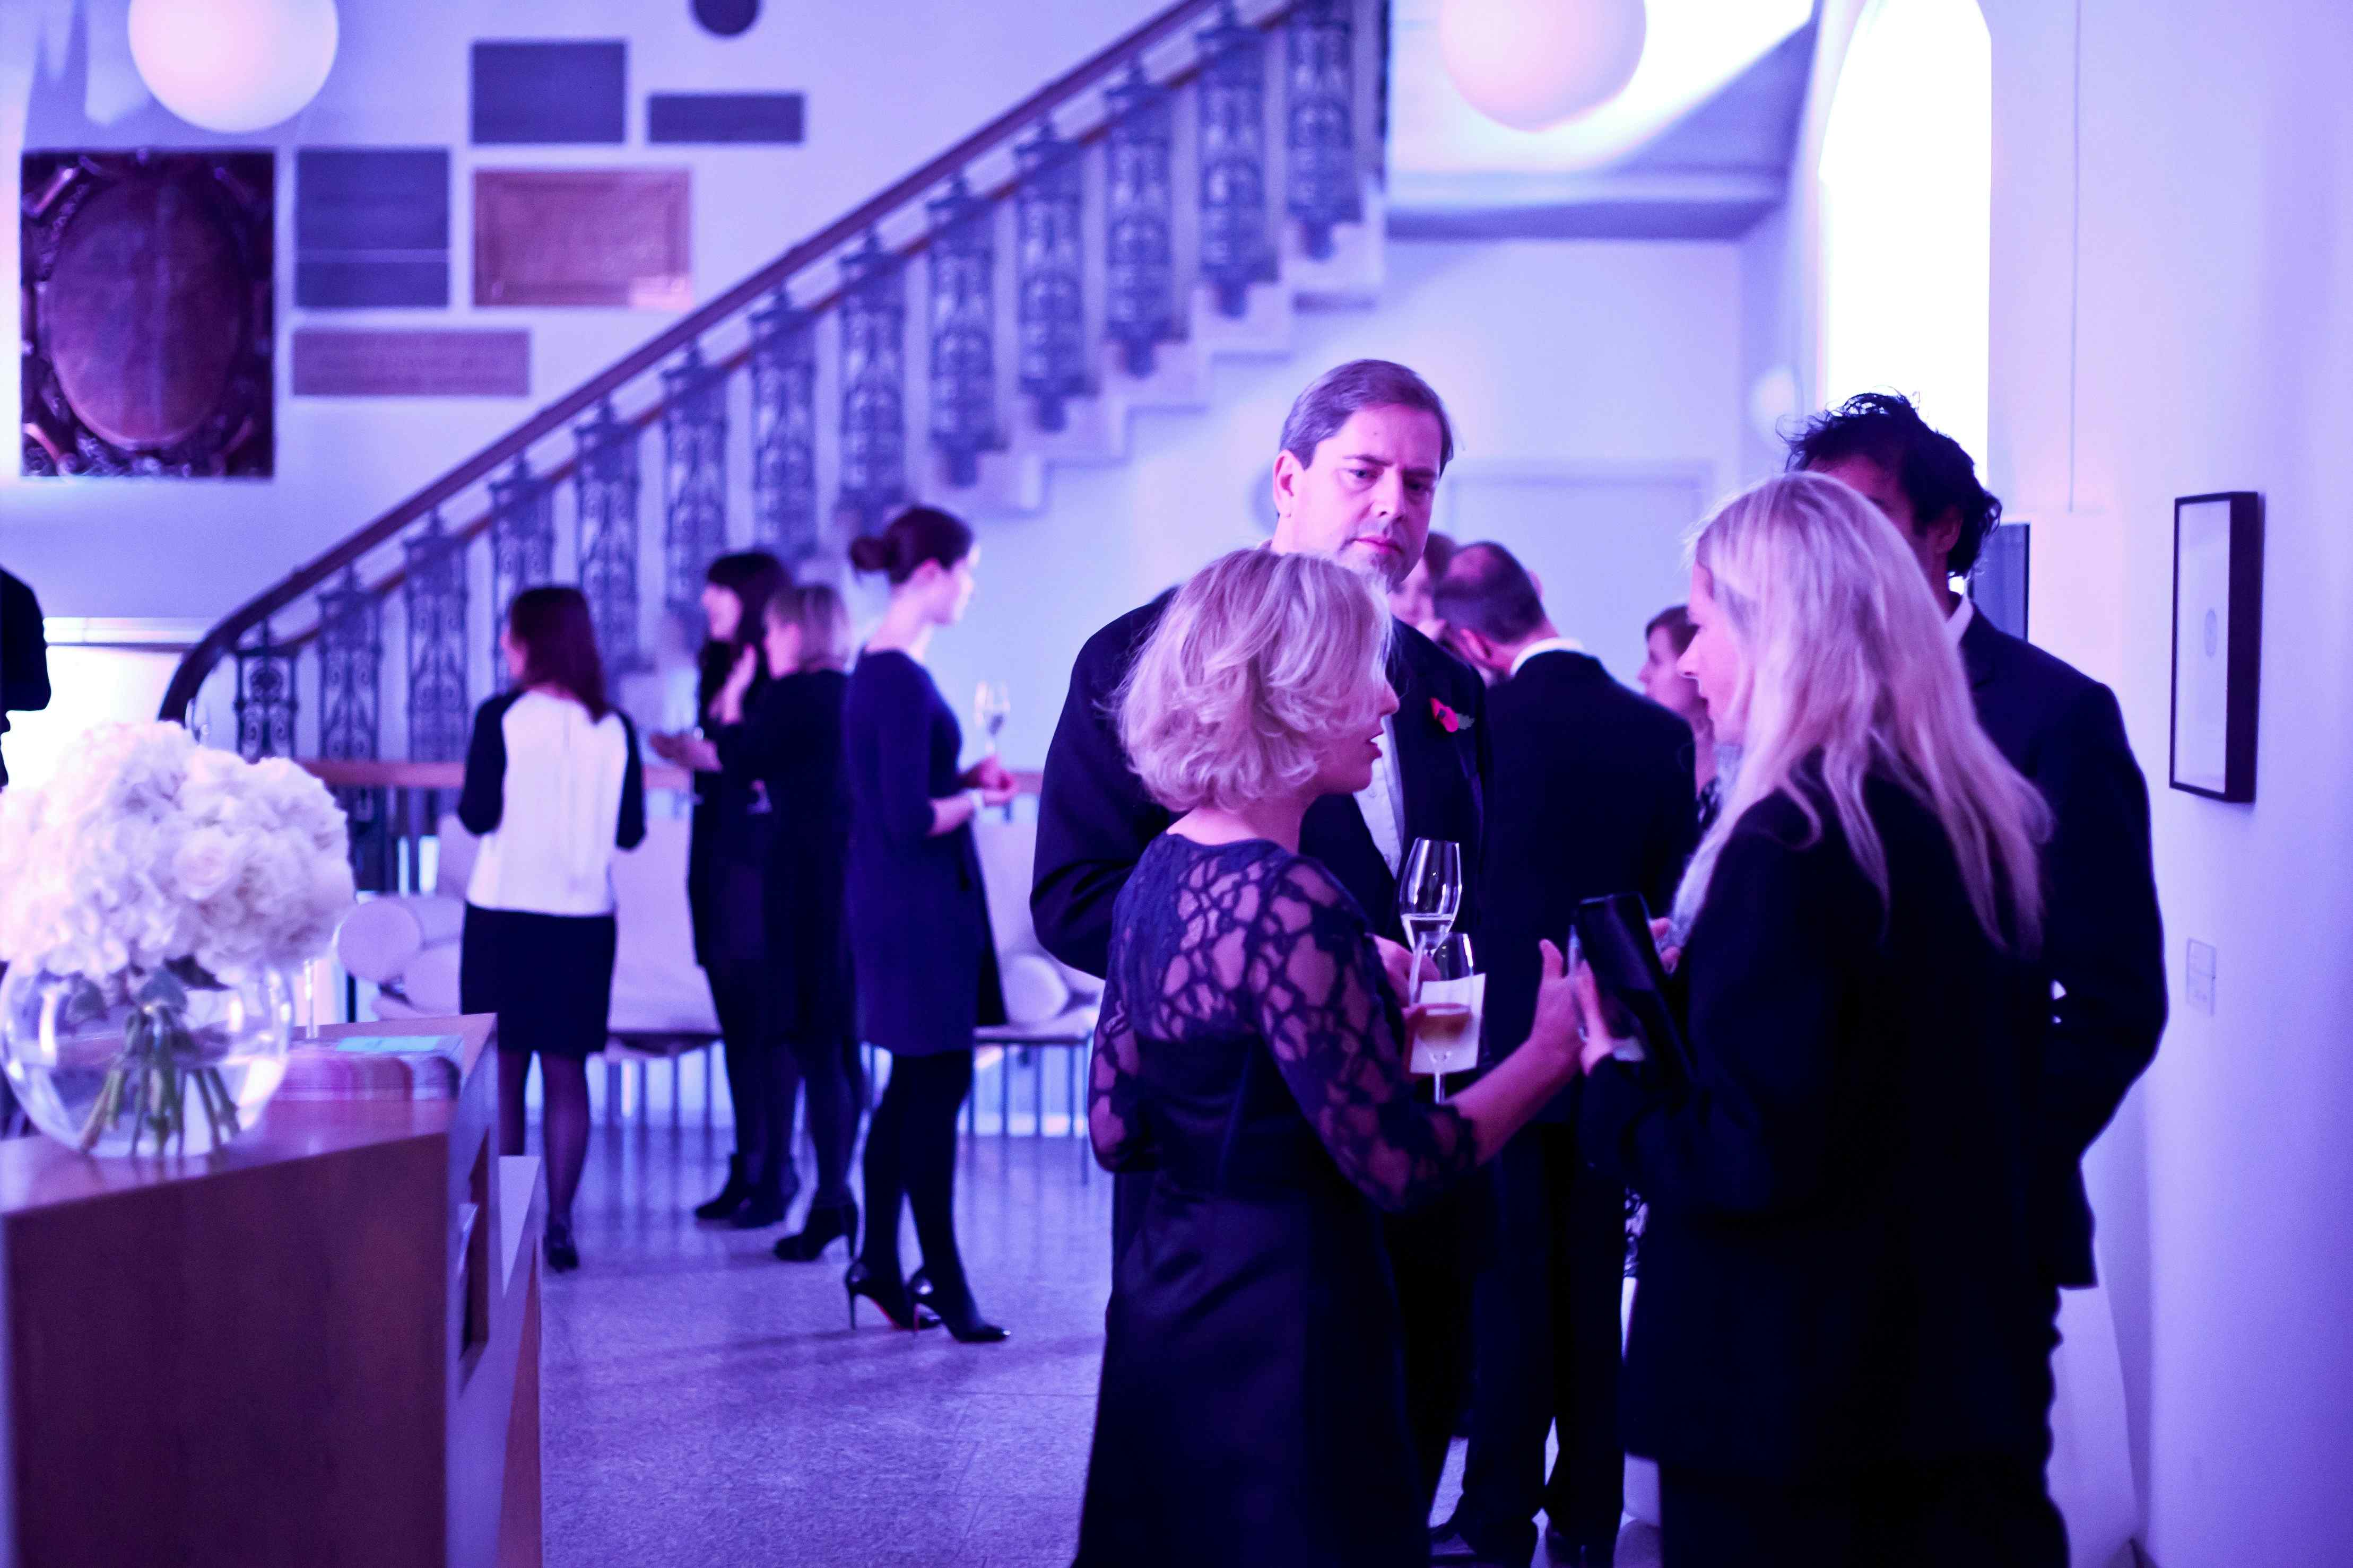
(964, 329)
(433, 602)
(1233, 103)
(264, 699)
(1140, 260)
(351, 666)
(873, 386)
(607, 480)
(1320, 114)
(784, 430)
(522, 549)
(1050, 268)
(694, 478)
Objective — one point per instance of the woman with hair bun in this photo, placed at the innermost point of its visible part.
(1251, 1059)
(920, 943)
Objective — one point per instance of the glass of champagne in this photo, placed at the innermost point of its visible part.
(992, 704)
(1444, 1039)
(1429, 895)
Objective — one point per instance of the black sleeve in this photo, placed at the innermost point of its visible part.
(631, 831)
(2104, 937)
(24, 650)
(482, 801)
(1094, 819)
(1767, 992)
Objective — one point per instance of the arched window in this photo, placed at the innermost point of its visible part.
(1906, 213)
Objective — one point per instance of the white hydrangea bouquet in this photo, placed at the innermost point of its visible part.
(153, 894)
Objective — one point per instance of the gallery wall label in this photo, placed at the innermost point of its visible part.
(583, 236)
(724, 117)
(537, 91)
(396, 364)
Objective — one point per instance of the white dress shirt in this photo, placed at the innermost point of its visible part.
(1383, 800)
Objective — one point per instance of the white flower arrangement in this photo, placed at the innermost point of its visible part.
(145, 849)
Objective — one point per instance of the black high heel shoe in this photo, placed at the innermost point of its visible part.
(887, 1293)
(762, 1209)
(818, 1233)
(730, 1197)
(562, 1255)
(965, 1324)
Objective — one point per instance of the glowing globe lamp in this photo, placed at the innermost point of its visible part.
(234, 65)
(1530, 64)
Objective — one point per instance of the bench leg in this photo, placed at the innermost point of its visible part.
(612, 1092)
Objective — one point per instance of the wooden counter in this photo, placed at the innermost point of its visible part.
(318, 1346)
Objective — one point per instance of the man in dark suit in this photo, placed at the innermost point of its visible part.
(2103, 938)
(23, 656)
(1590, 795)
(1361, 454)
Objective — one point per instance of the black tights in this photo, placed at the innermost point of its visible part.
(911, 1148)
(763, 1078)
(563, 1122)
(836, 1091)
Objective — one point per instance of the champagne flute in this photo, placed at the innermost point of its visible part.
(991, 705)
(1429, 895)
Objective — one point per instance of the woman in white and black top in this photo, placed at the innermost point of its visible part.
(552, 785)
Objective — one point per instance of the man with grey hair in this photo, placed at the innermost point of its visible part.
(1356, 478)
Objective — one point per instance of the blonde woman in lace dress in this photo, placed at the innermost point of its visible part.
(1253, 1056)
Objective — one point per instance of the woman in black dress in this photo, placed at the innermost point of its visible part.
(789, 739)
(1839, 1355)
(1252, 1057)
(553, 787)
(726, 877)
(919, 934)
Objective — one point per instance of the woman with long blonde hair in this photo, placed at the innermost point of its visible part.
(1840, 1348)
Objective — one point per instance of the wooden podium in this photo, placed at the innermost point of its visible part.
(318, 1346)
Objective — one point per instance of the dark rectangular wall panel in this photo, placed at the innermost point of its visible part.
(535, 92)
(709, 117)
(371, 226)
(411, 364)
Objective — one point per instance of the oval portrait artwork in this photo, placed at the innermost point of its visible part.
(145, 313)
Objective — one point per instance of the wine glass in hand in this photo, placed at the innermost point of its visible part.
(991, 706)
(1429, 895)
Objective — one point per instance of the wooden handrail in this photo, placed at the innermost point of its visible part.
(188, 679)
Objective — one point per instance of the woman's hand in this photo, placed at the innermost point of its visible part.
(989, 775)
(1553, 1034)
(1396, 962)
(1599, 1043)
(1668, 956)
(685, 751)
(727, 707)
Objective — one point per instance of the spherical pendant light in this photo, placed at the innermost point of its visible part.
(1529, 64)
(234, 65)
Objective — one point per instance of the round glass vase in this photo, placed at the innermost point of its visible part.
(173, 1060)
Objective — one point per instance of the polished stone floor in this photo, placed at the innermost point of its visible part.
(706, 1404)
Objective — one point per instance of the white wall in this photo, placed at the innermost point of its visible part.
(888, 86)
(1557, 355)
(2172, 314)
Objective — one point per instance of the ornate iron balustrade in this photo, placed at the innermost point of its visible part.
(814, 478)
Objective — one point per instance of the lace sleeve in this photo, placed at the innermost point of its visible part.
(1338, 1039)
(1114, 1088)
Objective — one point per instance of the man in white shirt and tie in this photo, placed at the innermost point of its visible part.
(1354, 478)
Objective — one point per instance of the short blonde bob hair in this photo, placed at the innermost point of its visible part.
(1257, 663)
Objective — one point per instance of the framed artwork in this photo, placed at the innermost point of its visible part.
(148, 320)
(583, 236)
(2218, 637)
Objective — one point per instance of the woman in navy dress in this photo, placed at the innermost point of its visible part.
(1251, 1057)
(726, 877)
(919, 934)
(788, 738)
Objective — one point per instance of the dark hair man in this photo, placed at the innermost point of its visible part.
(1354, 478)
(2062, 729)
(1591, 794)
(23, 656)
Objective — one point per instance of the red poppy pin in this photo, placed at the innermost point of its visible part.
(1451, 721)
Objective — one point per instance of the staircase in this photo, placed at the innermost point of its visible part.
(1089, 255)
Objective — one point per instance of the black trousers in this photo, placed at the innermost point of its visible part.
(1964, 1514)
(1548, 1351)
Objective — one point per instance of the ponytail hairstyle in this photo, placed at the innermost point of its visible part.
(824, 622)
(754, 577)
(918, 534)
(559, 645)
(1850, 674)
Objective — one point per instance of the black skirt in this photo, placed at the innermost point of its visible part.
(549, 978)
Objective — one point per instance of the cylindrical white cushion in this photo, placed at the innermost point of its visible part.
(430, 981)
(379, 937)
(1035, 991)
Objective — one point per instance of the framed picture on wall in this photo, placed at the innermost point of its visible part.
(2218, 627)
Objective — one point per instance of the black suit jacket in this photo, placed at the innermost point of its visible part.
(24, 655)
(1842, 1264)
(2103, 938)
(1094, 819)
(1591, 795)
